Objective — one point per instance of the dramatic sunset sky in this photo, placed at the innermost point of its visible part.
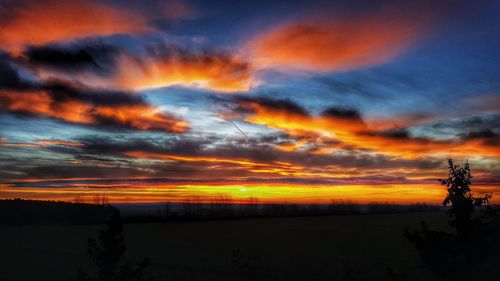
(299, 102)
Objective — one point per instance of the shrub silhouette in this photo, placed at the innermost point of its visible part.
(471, 249)
(107, 254)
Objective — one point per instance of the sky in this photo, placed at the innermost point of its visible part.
(304, 102)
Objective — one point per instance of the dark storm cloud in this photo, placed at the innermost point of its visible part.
(488, 137)
(79, 171)
(485, 128)
(494, 141)
(485, 134)
(249, 104)
(398, 133)
(288, 106)
(101, 145)
(85, 56)
(61, 91)
(343, 113)
(468, 124)
(9, 75)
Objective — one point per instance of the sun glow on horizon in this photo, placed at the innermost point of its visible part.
(240, 193)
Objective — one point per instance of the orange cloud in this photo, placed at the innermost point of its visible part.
(296, 122)
(5, 143)
(274, 168)
(221, 72)
(41, 22)
(336, 44)
(57, 142)
(353, 133)
(217, 72)
(39, 143)
(267, 169)
(138, 116)
(141, 154)
(142, 117)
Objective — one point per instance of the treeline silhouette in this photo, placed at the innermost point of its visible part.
(224, 208)
(21, 212)
(99, 211)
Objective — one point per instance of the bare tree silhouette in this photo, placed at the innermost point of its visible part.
(100, 199)
(79, 199)
(191, 206)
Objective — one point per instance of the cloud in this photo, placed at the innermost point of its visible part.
(342, 113)
(56, 39)
(41, 22)
(339, 43)
(398, 133)
(192, 149)
(39, 143)
(487, 137)
(285, 106)
(296, 121)
(80, 105)
(207, 158)
(86, 109)
(350, 132)
(401, 121)
(485, 134)
(481, 122)
(165, 66)
(95, 57)
(484, 103)
(122, 161)
(95, 63)
(9, 76)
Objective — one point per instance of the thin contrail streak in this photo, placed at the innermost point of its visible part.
(238, 129)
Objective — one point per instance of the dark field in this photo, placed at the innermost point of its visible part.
(358, 247)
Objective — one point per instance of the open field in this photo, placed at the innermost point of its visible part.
(302, 248)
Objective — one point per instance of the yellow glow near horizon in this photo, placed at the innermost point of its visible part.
(239, 193)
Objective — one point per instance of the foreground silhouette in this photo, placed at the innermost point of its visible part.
(472, 251)
(107, 254)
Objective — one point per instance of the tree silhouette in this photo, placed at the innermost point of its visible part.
(107, 253)
(467, 253)
(460, 197)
